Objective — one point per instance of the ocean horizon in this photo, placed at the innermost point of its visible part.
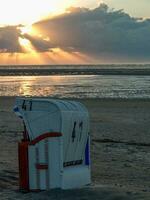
(102, 69)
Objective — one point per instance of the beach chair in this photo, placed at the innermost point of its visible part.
(55, 150)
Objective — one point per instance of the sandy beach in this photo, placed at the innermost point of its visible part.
(120, 151)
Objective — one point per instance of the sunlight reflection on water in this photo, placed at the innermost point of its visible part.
(80, 86)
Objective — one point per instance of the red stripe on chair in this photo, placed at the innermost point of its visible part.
(45, 135)
(23, 166)
(41, 166)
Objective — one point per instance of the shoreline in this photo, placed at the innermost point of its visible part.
(78, 99)
(4, 71)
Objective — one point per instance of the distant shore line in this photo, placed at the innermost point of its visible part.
(74, 71)
(97, 99)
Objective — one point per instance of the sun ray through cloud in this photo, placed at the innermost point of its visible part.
(83, 34)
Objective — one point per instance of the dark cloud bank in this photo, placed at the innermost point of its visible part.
(96, 32)
(9, 39)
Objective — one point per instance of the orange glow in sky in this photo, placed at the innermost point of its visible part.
(13, 12)
(57, 56)
(26, 12)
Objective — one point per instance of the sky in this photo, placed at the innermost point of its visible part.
(74, 31)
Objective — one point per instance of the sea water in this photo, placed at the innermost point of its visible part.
(76, 86)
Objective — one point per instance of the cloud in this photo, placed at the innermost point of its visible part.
(9, 39)
(41, 44)
(101, 31)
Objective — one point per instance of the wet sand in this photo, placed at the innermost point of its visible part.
(120, 151)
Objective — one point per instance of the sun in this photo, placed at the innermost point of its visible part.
(26, 30)
(14, 12)
(24, 42)
(26, 45)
